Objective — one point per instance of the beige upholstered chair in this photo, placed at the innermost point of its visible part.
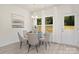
(25, 34)
(45, 39)
(21, 39)
(33, 41)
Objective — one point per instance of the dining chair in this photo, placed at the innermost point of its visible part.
(45, 39)
(33, 41)
(21, 39)
(25, 33)
(39, 35)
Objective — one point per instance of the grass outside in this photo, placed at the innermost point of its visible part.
(48, 28)
(39, 28)
(69, 27)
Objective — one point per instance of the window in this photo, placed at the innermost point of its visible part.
(69, 22)
(39, 22)
(48, 24)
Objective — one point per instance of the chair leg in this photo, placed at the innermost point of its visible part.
(36, 49)
(46, 45)
(20, 44)
(29, 47)
(49, 43)
(26, 42)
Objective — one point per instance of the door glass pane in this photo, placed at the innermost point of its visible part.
(69, 22)
(39, 22)
(48, 24)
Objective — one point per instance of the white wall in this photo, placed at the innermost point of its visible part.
(58, 12)
(7, 33)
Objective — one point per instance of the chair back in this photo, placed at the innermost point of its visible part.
(33, 38)
(47, 36)
(20, 37)
(25, 33)
(39, 35)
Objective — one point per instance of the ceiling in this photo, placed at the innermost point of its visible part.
(37, 7)
(34, 7)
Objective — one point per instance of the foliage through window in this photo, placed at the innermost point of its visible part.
(49, 20)
(69, 20)
(38, 21)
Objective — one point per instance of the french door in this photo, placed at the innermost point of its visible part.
(68, 32)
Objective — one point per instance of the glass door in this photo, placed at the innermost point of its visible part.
(68, 33)
(49, 24)
(39, 23)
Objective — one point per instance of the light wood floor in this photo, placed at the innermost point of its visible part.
(52, 49)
